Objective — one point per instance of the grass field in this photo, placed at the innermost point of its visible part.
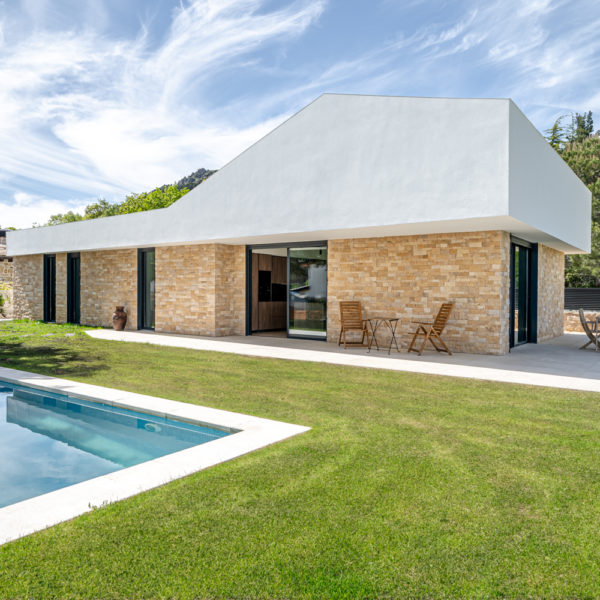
(406, 486)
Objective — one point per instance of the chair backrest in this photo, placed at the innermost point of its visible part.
(442, 317)
(351, 314)
(586, 326)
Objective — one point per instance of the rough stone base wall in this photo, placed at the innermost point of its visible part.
(551, 293)
(28, 287)
(6, 271)
(6, 286)
(200, 289)
(108, 279)
(410, 276)
(572, 322)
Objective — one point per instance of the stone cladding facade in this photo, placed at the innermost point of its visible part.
(28, 287)
(551, 293)
(201, 289)
(410, 276)
(61, 287)
(108, 279)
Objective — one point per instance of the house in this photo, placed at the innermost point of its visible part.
(399, 202)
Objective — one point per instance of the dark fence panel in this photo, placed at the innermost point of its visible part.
(586, 298)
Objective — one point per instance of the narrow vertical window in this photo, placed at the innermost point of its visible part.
(49, 287)
(146, 282)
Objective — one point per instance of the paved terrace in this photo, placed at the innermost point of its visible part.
(557, 363)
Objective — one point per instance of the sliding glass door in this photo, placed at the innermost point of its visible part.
(146, 281)
(523, 301)
(286, 292)
(307, 292)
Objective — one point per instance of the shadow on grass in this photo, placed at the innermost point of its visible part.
(51, 356)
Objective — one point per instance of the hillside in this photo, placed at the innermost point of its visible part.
(159, 197)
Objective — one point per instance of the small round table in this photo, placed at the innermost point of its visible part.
(391, 323)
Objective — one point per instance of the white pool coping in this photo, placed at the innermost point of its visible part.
(28, 516)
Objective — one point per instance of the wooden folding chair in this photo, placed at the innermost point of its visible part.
(432, 331)
(593, 335)
(351, 320)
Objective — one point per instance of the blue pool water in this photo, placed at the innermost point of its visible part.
(49, 441)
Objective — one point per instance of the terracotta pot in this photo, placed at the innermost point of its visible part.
(119, 318)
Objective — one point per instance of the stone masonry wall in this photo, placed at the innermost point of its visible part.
(6, 286)
(572, 321)
(28, 287)
(200, 289)
(6, 271)
(551, 292)
(410, 276)
(61, 287)
(230, 284)
(108, 279)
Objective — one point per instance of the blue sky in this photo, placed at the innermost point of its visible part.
(107, 97)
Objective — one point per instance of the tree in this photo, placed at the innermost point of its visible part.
(158, 198)
(101, 208)
(584, 158)
(556, 134)
(582, 126)
(68, 217)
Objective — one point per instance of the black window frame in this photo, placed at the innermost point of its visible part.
(532, 292)
(73, 288)
(49, 286)
(140, 285)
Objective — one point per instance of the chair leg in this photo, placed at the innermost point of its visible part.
(586, 345)
(411, 348)
(425, 338)
(340, 337)
(441, 341)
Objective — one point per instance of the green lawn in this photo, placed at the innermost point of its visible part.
(406, 486)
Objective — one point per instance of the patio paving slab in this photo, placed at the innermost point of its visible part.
(557, 363)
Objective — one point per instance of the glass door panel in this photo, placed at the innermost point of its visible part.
(73, 287)
(49, 287)
(147, 285)
(521, 294)
(307, 297)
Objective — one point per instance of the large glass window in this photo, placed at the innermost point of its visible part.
(307, 313)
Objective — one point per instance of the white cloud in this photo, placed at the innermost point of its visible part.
(101, 116)
(27, 209)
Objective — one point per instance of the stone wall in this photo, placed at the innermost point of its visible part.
(230, 287)
(108, 279)
(551, 292)
(410, 276)
(6, 286)
(572, 322)
(61, 287)
(200, 289)
(28, 287)
(6, 270)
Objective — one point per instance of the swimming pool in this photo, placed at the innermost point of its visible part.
(137, 443)
(49, 441)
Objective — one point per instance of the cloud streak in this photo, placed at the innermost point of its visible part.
(90, 109)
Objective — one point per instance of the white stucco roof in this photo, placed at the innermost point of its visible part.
(362, 166)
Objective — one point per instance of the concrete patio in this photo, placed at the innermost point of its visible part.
(557, 363)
